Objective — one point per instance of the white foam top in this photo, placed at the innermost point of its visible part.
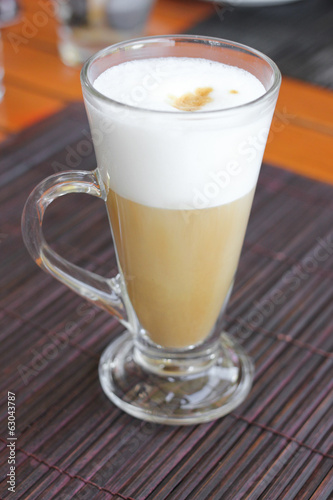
(151, 83)
(175, 163)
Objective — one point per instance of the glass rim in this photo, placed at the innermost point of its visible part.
(88, 85)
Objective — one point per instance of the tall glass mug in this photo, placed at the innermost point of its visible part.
(177, 255)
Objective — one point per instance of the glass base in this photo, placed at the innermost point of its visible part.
(165, 394)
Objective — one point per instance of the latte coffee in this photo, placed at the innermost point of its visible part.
(179, 180)
(179, 143)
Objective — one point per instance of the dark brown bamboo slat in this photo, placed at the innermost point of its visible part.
(73, 443)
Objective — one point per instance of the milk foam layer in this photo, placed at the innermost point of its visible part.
(178, 160)
(149, 83)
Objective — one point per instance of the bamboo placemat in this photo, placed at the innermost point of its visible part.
(72, 442)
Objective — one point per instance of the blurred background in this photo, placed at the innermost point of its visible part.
(44, 43)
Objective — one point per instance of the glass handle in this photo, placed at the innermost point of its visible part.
(105, 293)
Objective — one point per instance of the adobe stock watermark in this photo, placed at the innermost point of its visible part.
(81, 150)
(29, 28)
(225, 8)
(248, 150)
(219, 180)
(248, 156)
(40, 358)
(290, 283)
(105, 125)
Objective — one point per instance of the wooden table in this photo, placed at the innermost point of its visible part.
(38, 84)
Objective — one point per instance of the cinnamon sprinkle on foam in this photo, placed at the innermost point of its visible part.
(192, 101)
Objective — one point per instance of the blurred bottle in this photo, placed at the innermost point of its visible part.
(86, 26)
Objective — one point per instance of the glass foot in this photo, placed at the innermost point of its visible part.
(163, 396)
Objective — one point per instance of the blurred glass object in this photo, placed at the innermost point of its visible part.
(87, 26)
(9, 10)
(2, 71)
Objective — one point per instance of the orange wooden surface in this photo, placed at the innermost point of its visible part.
(38, 84)
(174, 16)
(21, 107)
(41, 73)
(301, 137)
